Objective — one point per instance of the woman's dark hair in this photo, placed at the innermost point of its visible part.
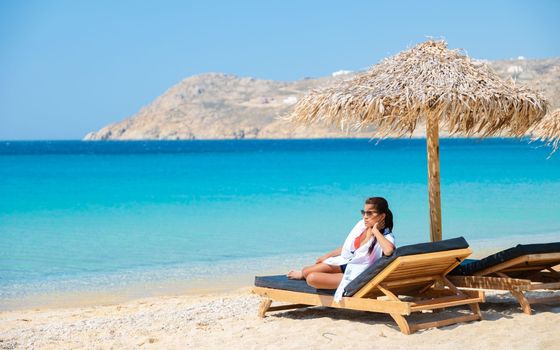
(381, 206)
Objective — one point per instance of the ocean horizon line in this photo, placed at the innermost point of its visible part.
(413, 137)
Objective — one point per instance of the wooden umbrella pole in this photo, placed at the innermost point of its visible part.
(432, 140)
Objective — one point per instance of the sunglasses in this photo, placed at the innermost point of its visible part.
(368, 213)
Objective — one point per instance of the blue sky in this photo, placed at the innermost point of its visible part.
(70, 67)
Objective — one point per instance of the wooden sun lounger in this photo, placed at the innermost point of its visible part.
(518, 275)
(420, 277)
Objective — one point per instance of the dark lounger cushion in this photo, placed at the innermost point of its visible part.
(284, 283)
(468, 268)
(421, 248)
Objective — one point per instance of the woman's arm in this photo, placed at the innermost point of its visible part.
(335, 252)
(386, 245)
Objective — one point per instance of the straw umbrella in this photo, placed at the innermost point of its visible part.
(432, 85)
(548, 130)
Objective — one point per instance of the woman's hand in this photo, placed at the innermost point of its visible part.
(322, 258)
(379, 225)
(335, 252)
(386, 246)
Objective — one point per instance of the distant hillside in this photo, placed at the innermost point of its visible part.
(221, 106)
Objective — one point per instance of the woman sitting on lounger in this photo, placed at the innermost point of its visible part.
(370, 238)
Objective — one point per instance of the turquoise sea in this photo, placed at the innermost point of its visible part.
(101, 216)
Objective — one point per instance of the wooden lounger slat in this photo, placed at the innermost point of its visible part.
(328, 301)
(409, 281)
(483, 282)
(443, 323)
(544, 300)
(539, 286)
(526, 268)
(438, 255)
(287, 307)
(436, 269)
(438, 304)
(540, 258)
(441, 299)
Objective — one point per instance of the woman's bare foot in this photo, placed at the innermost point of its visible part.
(295, 275)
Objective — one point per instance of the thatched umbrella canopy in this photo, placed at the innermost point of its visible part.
(432, 85)
(548, 130)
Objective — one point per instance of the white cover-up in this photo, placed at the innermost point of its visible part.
(357, 261)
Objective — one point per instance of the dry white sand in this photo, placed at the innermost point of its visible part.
(229, 320)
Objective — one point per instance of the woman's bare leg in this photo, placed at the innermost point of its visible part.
(320, 267)
(322, 280)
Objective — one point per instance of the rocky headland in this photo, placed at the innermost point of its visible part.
(223, 106)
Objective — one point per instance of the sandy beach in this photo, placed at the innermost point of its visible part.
(211, 320)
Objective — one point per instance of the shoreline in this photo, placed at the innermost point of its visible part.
(101, 298)
(120, 289)
(213, 284)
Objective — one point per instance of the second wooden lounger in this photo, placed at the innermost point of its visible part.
(523, 268)
(413, 279)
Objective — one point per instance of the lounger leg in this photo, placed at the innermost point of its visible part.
(402, 323)
(525, 306)
(265, 305)
(475, 308)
